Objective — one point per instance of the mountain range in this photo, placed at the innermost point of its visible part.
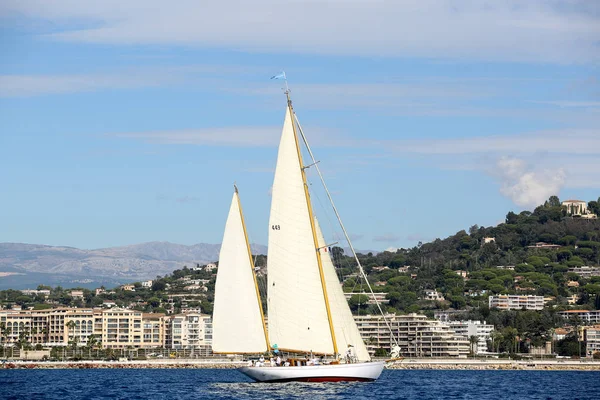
(27, 265)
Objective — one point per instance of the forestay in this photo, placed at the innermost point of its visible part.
(237, 319)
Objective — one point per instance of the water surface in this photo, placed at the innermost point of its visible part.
(134, 384)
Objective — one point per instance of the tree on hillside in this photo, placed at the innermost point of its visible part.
(553, 201)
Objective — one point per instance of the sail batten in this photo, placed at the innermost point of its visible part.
(238, 324)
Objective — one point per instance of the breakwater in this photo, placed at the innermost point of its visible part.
(407, 364)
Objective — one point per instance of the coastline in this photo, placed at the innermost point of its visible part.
(407, 364)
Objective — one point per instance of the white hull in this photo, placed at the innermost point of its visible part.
(369, 371)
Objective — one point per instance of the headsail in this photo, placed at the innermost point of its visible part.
(238, 325)
(346, 331)
(297, 312)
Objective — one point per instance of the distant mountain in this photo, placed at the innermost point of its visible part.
(26, 265)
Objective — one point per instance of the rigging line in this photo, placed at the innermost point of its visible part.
(362, 271)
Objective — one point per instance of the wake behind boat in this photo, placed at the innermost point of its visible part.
(307, 310)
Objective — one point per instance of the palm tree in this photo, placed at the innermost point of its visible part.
(70, 334)
(496, 337)
(473, 340)
(91, 343)
(4, 331)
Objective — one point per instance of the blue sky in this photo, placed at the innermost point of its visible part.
(126, 122)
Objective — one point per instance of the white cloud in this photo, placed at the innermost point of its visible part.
(529, 167)
(525, 186)
(205, 76)
(570, 141)
(243, 136)
(509, 30)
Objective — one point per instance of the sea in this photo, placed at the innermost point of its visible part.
(137, 384)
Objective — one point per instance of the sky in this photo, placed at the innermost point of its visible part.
(127, 122)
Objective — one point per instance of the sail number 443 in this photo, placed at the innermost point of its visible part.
(275, 227)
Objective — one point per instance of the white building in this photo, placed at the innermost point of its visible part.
(516, 302)
(210, 267)
(575, 207)
(473, 328)
(147, 284)
(433, 295)
(188, 331)
(586, 271)
(416, 335)
(592, 339)
(33, 292)
(77, 294)
(588, 316)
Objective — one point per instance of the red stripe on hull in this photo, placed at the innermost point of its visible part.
(321, 379)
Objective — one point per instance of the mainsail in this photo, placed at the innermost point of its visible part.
(298, 318)
(238, 324)
(346, 331)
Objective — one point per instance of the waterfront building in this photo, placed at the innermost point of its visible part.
(51, 327)
(122, 328)
(416, 335)
(188, 331)
(516, 302)
(592, 339)
(470, 328)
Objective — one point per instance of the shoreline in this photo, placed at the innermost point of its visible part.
(406, 364)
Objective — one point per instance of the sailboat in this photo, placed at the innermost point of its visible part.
(307, 311)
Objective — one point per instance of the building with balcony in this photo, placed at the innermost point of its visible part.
(587, 316)
(479, 329)
(416, 336)
(592, 339)
(188, 331)
(516, 302)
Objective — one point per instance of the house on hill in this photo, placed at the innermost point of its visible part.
(577, 208)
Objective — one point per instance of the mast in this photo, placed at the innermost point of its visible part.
(312, 226)
(258, 299)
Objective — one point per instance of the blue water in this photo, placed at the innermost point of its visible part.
(133, 384)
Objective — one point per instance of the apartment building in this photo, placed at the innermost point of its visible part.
(516, 302)
(122, 328)
(469, 328)
(414, 333)
(52, 327)
(188, 331)
(592, 339)
(585, 271)
(587, 316)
